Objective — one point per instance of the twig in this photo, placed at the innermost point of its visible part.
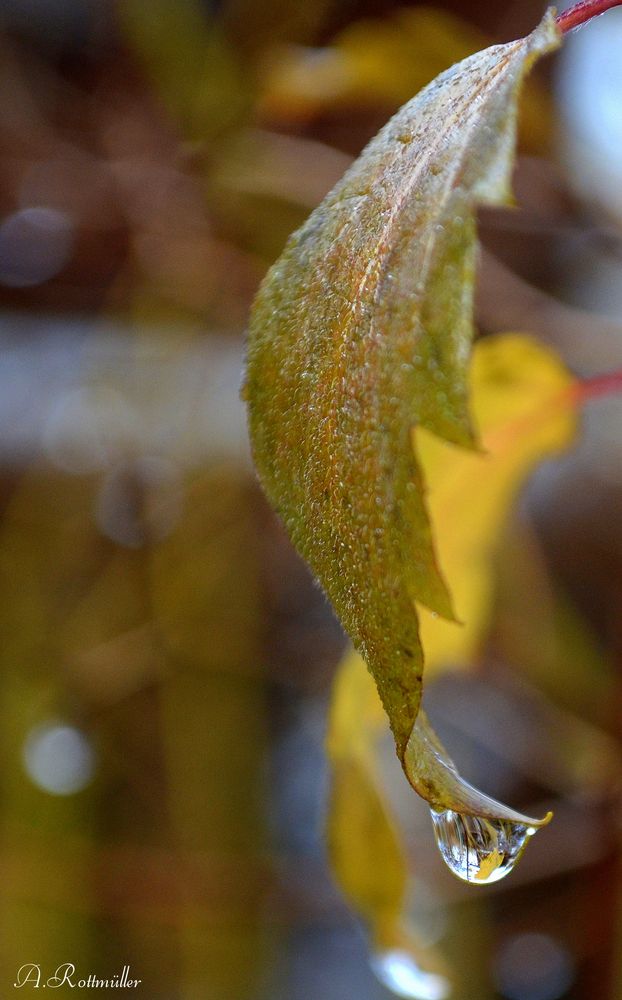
(583, 12)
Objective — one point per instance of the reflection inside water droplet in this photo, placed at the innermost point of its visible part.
(397, 970)
(476, 849)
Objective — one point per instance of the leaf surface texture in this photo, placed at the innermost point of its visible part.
(361, 332)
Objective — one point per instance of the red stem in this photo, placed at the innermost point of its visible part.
(583, 11)
(600, 385)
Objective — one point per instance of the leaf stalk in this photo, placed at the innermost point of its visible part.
(582, 12)
(600, 385)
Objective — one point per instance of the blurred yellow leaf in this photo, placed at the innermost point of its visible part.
(365, 848)
(523, 412)
(376, 62)
(364, 845)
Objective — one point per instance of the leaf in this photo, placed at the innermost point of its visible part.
(364, 845)
(366, 851)
(524, 409)
(378, 63)
(362, 330)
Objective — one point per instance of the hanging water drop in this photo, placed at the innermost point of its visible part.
(479, 850)
(399, 972)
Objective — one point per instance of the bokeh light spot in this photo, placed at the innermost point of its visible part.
(533, 967)
(398, 971)
(35, 244)
(58, 758)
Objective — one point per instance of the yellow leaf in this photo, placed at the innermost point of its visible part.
(365, 847)
(488, 865)
(362, 330)
(363, 842)
(370, 61)
(381, 62)
(523, 411)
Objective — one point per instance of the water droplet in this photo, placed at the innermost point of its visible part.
(479, 850)
(397, 970)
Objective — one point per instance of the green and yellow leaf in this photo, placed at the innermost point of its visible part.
(361, 332)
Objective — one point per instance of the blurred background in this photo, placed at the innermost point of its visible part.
(166, 659)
